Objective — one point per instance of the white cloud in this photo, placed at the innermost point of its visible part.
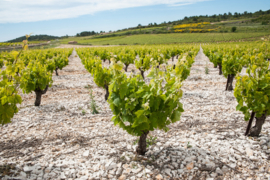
(14, 11)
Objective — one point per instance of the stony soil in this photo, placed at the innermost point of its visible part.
(61, 139)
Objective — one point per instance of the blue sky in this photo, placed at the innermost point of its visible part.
(66, 17)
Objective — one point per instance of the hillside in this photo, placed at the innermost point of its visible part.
(167, 38)
(41, 37)
(215, 28)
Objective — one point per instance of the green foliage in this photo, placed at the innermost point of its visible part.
(35, 77)
(83, 112)
(138, 107)
(104, 54)
(35, 38)
(9, 97)
(206, 70)
(28, 69)
(102, 75)
(93, 104)
(158, 57)
(61, 61)
(231, 64)
(171, 38)
(143, 63)
(127, 57)
(216, 58)
(188, 145)
(265, 22)
(233, 29)
(151, 141)
(182, 68)
(252, 91)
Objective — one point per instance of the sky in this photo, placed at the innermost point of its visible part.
(67, 17)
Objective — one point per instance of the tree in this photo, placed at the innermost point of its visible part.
(233, 29)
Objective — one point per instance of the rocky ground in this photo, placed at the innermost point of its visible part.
(61, 139)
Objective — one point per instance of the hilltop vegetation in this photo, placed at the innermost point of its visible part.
(216, 28)
(41, 37)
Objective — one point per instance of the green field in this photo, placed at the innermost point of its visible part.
(166, 38)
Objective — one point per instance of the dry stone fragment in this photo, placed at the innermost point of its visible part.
(159, 177)
(190, 166)
(122, 177)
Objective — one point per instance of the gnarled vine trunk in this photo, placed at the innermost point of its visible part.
(229, 86)
(56, 71)
(220, 69)
(107, 92)
(172, 58)
(141, 149)
(142, 73)
(39, 93)
(256, 130)
(126, 67)
(250, 123)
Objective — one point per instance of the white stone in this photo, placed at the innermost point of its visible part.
(119, 171)
(27, 169)
(23, 174)
(225, 169)
(219, 171)
(112, 166)
(168, 172)
(86, 153)
(253, 158)
(63, 175)
(262, 142)
(249, 152)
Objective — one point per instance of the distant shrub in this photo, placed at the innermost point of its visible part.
(233, 29)
(264, 23)
(223, 31)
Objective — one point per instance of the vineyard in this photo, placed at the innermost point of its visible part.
(5, 44)
(136, 112)
(143, 39)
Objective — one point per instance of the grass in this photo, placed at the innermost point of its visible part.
(247, 29)
(167, 38)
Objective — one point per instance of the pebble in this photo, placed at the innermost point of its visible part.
(159, 177)
(190, 166)
(86, 153)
